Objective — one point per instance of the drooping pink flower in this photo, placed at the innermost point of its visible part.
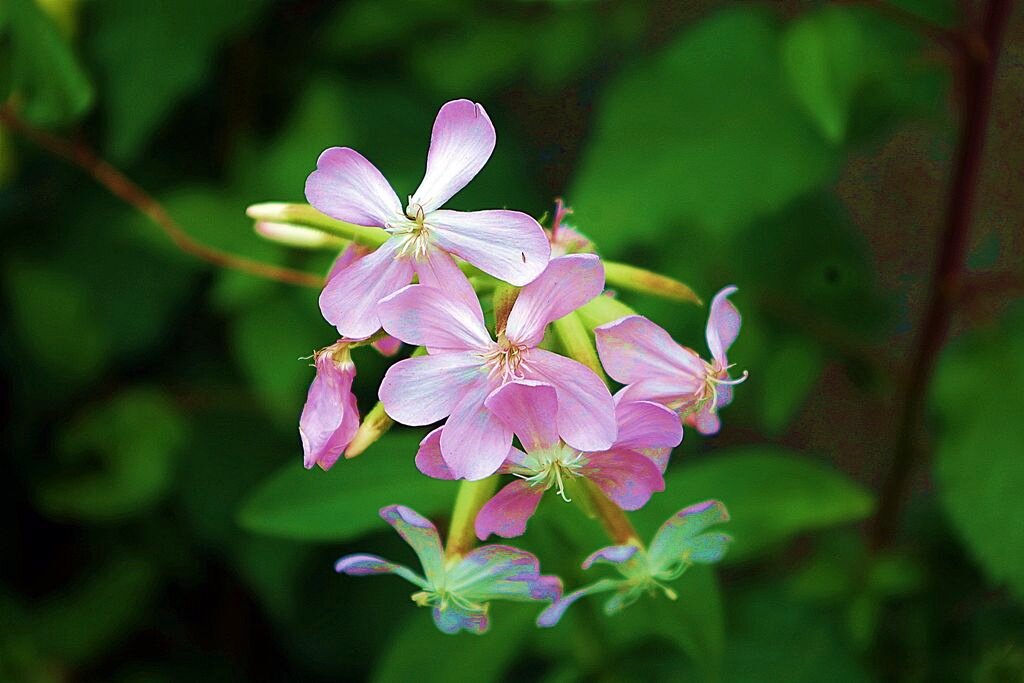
(387, 345)
(330, 417)
(509, 245)
(644, 357)
(465, 365)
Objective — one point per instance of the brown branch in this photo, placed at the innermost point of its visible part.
(979, 72)
(133, 195)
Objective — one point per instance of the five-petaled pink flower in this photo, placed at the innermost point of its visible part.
(644, 357)
(330, 417)
(465, 365)
(628, 473)
(509, 245)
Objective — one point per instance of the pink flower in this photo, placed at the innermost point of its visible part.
(509, 245)
(626, 474)
(644, 357)
(465, 365)
(330, 417)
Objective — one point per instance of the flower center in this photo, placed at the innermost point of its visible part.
(415, 232)
(505, 358)
(553, 468)
(441, 598)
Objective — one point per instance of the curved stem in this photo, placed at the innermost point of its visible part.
(127, 191)
(979, 71)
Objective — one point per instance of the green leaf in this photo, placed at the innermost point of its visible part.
(695, 622)
(44, 71)
(980, 460)
(342, 503)
(151, 55)
(699, 135)
(462, 657)
(772, 494)
(825, 58)
(789, 373)
(136, 436)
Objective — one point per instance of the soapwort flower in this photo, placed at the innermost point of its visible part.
(464, 365)
(385, 345)
(509, 245)
(458, 590)
(626, 473)
(330, 417)
(644, 357)
(679, 544)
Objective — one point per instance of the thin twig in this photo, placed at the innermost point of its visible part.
(979, 73)
(127, 191)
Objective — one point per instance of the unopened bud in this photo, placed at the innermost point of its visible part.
(636, 279)
(603, 309)
(297, 236)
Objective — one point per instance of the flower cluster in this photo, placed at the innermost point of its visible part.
(528, 400)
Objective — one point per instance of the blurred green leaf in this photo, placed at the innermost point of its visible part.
(44, 72)
(150, 55)
(89, 617)
(695, 622)
(775, 638)
(790, 372)
(135, 437)
(424, 654)
(825, 57)
(56, 320)
(342, 503)
(698, 135)
(980, 460)
(772, 494)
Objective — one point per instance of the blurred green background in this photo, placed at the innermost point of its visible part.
(158, 524)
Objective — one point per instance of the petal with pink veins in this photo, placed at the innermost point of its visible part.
(566, 284)
(507, 513)
(461, 142)
(474, 441)
(509, 245)
(629, 479)
(330, 416)
(424, 389)
(529, 409)
(723, 325)
(348, 187)
(586, 412)
(431, 317)
(349, 300)
(633, 349)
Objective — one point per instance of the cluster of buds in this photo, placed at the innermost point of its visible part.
(531, 400)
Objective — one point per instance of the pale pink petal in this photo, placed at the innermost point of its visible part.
(627, 478)
(330, 416)
(633, 349)
(647, 428)
(348, 187)
(474, 441)
(349, 300)
(676, 391)
(347, 257)
(723, 325)
(429, 460)
(461, 142)
(507, 513)
(509, 245)
(432, 317)
(424, 389)
(566, 284)
(529, 409)
(586, 412)
(438, 269)
(705, 421)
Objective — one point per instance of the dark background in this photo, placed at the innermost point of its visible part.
(158, 525)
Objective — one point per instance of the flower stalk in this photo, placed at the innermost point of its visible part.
(471, 497)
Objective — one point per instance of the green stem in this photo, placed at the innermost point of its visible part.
(615, 522)
(577, 343)
(472, 496)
